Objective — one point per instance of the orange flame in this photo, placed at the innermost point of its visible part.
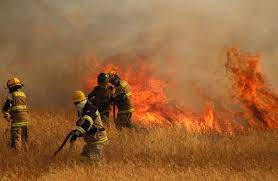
(153, 107)
(250, 88)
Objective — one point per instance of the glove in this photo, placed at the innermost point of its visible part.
(79, 122)
(7, 116)
(73, 136)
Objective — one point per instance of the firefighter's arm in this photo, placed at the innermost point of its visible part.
(92, 96)
(112, 94)
(5, 109)
(124, 92)
(82, 127)
(118, 94)
(126, 89)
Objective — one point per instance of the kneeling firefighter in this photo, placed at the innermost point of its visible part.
(90, 127)
(15, 111)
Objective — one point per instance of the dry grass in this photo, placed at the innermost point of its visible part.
(156, 154)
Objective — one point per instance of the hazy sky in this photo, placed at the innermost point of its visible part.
(44, 42)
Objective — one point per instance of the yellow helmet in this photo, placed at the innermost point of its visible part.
(78, 96)
(13, 82)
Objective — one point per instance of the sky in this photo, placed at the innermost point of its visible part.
(46, 43)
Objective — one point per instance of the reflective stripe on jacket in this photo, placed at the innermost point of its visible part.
(123, 97)
(16, 108)
(90, 125)
(19, 102)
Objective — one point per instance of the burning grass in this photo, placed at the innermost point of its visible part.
(152, 154)
(250, 88)
(256, 102)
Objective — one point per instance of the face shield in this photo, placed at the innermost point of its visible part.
(79, 107)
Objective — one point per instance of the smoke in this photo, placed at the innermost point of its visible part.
(46, 42)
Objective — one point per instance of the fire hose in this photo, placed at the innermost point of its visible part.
(63, 144)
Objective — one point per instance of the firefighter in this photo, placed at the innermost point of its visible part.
(90, 127)
(101, 97)
(122, 99)
(15, 111)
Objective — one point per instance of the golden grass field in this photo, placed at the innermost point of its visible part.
(153, 154)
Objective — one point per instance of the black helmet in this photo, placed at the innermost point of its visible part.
(103, 78)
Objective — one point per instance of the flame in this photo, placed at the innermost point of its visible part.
(250, 89)
(153, 106)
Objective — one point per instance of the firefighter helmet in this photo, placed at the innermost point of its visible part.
(103, 78)
(78, 96)
(12, 82)
(112, 73)
(113, 77)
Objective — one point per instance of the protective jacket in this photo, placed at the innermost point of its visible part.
(122, 97)
(90, 125)
(101, 98)
(15, 108)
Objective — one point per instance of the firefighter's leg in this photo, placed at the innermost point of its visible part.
(14, 137)
(123, 121)
(97, 151)
(92, 153)
(119, 121)
(105, 118)
(128, 120)
(85, 154)
(24, 137)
